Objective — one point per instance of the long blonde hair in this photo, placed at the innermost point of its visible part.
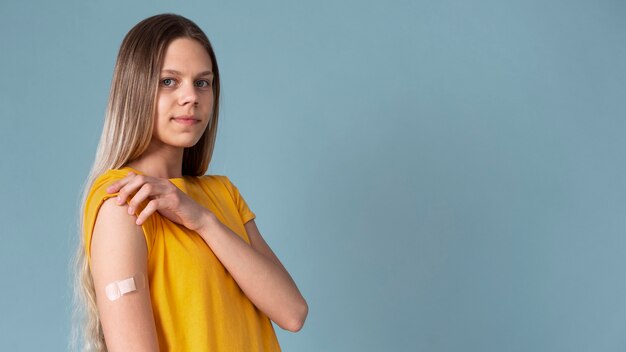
(126, 135)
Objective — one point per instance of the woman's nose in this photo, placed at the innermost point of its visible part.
(188, 94)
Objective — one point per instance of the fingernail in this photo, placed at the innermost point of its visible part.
(119, 200)
(130, 210)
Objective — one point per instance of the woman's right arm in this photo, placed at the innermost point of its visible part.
(118, 251)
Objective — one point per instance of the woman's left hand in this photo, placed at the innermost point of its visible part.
(164, 197)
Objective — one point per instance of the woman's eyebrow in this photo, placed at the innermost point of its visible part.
(174, 72)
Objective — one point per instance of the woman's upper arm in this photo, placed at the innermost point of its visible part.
(118, 252)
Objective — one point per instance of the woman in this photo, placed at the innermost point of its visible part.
(171, 259)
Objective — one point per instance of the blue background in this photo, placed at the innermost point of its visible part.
(435, 175)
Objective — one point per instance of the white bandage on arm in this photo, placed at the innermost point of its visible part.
(117, 289)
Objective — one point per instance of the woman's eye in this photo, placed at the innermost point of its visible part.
(203, 83)
(168, 82)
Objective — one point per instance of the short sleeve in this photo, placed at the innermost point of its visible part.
(242, 207)
(95, 198)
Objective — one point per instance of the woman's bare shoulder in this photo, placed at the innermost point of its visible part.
(115, 229)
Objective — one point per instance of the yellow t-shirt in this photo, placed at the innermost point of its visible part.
(197, 304)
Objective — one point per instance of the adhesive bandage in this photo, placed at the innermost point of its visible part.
(117, 289)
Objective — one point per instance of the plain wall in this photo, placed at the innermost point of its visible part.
(435, 175)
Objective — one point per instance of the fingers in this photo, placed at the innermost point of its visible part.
(152, 206)
(129, 185)
(115, 186)
(139, 188)
(144, 192)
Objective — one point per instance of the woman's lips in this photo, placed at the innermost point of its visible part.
(186, 120)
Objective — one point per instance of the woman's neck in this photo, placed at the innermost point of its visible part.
(162, 162)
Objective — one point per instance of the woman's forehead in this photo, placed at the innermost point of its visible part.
(184, 55)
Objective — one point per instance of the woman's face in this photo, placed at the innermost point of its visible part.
(185, 94)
